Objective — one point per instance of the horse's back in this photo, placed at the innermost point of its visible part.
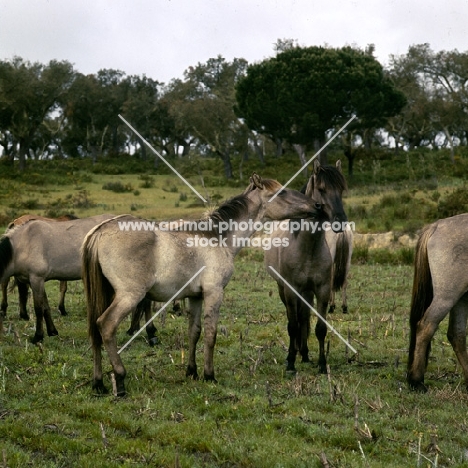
(447, 252)
(50, 249)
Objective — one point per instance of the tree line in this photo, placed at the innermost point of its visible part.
(296, 99)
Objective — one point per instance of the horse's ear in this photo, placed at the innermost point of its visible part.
(338, 165)
(316, 166)
(256, 181)
(309, 190)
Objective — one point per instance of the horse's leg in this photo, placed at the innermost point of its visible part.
(321, 327)
(42, 310)
(194, 331)
(332, 307)
(344, 306)
(136, 318)
(108, 324)
(456, 334)
(304, 327)
(425, 330)
(23, 289)
(4, 304)
(290, 301)
(151, 330)
(98, 382)
(213, 300)
(51, 330)
(63, 290)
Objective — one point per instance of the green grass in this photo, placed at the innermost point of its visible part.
(256, 415)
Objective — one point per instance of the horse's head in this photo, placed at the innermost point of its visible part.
(279, 203)
(326, 186)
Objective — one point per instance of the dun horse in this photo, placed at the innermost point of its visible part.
(440, 287)
(121, 268)
(39, 251)
(23, 288)
(307, 264)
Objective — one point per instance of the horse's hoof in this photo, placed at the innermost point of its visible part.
(418, 387)
(37, 339)
(130, 332)
(53, 333)
(24, 317)
(345, 309)
(323, 369)
(331, 309)
(99, 388)
(191, 372)
(153, 341)
(63, 312)
(209, 378)
(305, 359)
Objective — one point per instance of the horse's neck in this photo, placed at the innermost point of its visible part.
(242, 228)
(310, 242)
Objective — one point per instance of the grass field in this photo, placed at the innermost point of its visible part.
(257, 415)
(362, 414)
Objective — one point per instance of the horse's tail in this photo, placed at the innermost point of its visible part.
(98, 291)
(6, 255)
(423, 293)
(340, 264)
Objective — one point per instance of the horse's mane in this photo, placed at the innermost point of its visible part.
(238, 205)
(329, 176)
(231, 209)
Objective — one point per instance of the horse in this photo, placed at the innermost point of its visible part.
(341, 250)
(38, 251)
(304, 260)
(121, 268)
(23, 288)
(440, 287)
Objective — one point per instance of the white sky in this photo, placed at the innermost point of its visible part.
(162, 38)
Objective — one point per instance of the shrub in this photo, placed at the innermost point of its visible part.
(117, 187)
(147, 181)
(454, 203)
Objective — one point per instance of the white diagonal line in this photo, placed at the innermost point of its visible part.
(160, 156)
(312, 158)
(161, 309)
(315, 312)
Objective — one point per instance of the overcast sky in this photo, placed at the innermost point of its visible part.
(162, 38)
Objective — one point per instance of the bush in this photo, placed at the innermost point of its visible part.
(117, 187)
(454, 203)
(147, 181)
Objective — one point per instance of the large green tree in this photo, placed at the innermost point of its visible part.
(303, 93)
(29, 94)
(92, 107)
(436, 84)
(202, 106)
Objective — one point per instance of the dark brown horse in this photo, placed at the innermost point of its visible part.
(440, 287)
(120, 268)
(39, 251)
(22, 287)
(306, 264)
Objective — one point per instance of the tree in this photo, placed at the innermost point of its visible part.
(437, 89)
(303, 93)
(203, 107)
(29, 93)
(92, 107)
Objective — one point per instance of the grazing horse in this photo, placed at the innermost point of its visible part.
(39, 251)
(23, 288)
(341, 250)
(440, 287)
(121, 268)
(306, 263)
